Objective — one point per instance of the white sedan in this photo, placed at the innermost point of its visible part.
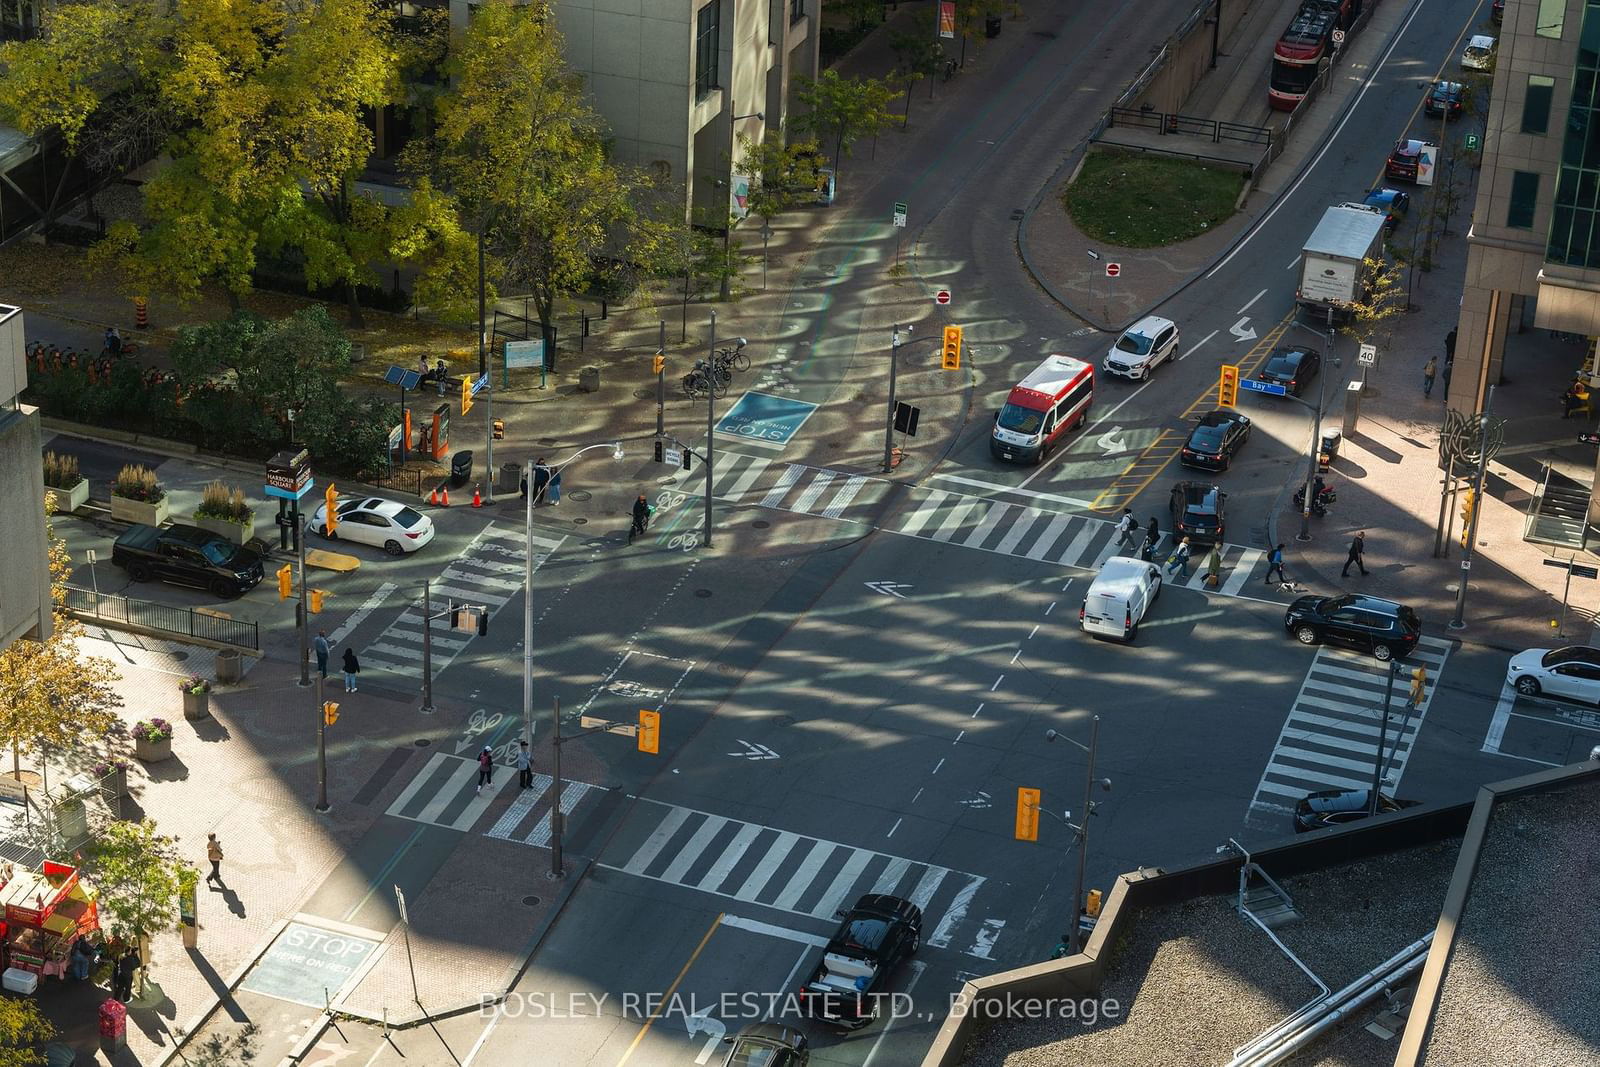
(1572, 672)
(386, 524)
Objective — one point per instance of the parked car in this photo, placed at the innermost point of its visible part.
(187, 555)
(767, 1045)
(1479, 53)
(1198, 513)
(1216, 437)
(1291, 367)
(1393, 203)
(1335, 807)
(1405, 160)
(1365, 623)
(876, 935)
(1572, 672)
(387, 524)
(1444, 98)
(1119, 597)
(1150, 341)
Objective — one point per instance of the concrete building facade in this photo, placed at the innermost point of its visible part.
(25, 565)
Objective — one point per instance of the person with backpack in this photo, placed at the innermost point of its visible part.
(1152, 538)
(1179, 560)
(1126, 527)
(485, 767)
(1275, 563)
(641, 518)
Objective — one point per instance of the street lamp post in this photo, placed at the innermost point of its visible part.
(1081, 829)
(1316, 442)
(727, 233)
(711, 417)
(894, 362)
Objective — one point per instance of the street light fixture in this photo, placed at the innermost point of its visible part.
(1081, 830)
(727, 233)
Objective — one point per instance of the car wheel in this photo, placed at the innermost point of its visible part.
(221, 589)
(916, 943)
(1382, 653)
(393, 548)
(1528, 685)
(1306, 635)
(1155, 592)
(139, 572)
(1133, 633)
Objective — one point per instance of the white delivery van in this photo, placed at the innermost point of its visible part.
(1119, 597)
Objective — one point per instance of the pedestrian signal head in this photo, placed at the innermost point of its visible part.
(658, 365)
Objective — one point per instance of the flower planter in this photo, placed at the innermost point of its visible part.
(152, 751)
(70, 500)
(196, 706)
(237, 532)
(116, 783)
(125, 510)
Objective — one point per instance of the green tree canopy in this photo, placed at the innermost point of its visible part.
(843, 110)
(136, 872)
(23, 1029)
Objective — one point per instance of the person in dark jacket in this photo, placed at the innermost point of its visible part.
(122, 977)
(1152, 538)
(352, 667)
(541, 479)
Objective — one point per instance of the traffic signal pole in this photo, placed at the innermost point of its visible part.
(427, 651)
(661, 379)
(888, 423)
(1383, 737)
(305, 616)
(711, 418)
(322, 749)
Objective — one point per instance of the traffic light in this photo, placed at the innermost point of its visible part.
(1027, 815)
(470, 618)
(952, 348)
(686, 455)
(1228, 385)
(1469, 503)
(661, 451)
(285, 582)
(316, 600)
(1419, 686)
(658, 364)
(466, 393)
(330, 516)
(649, 735)
(330, 713)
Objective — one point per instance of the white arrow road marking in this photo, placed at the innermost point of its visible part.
(753, 751)
(1241, 331)
(888, 588)
(702, 1021)
(1109, 442)
(988, 933)
(979, 801)
(1252, 300)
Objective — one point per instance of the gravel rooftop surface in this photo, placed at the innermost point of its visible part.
(1195, 980)
(1523, 978)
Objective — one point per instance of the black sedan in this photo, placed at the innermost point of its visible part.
(1445, 98)
(1291, 367)
(1216, 436)
(767, 1045)
(1198, 512)
(1364, 623)
(1335, 807)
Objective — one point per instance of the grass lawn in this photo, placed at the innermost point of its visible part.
(1144, 201)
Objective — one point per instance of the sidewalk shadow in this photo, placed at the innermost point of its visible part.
(229, 897)
(217, 985)
(167, 770)
(152, 1011)
(211, 730)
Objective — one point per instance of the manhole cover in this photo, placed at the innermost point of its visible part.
(180, 656)
(530, 901)
(579, 521)
(702, 593)
(580, 495)
(422, 742)
(761, 524)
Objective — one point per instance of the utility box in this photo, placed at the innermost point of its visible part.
(1352, 407)
(461, 468)
(589, 379)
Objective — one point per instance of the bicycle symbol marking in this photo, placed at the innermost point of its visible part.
(482, 722)
(687, 541)
(669, 499)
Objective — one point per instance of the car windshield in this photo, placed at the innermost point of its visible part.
(1406, 154)
(1206, 438)
(1579, 653)
(1281, 367)
(217, 552)
(1135, 342)
(407, 518)
(750, 1053)
(1020, 419)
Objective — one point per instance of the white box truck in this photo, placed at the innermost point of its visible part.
(1332, 263)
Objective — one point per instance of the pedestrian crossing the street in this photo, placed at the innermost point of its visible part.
(446, 793)
(803, 875)
(488, 572)
(1330, 739)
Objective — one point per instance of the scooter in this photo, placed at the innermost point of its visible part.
(1319, 503)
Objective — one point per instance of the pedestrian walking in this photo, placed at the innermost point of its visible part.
(1214, 567)
(322, 648)
(555, 485)
(1275, 563)
(641, 518)
(1428, 370)
(541, 479)
(1358, 548)
(1450, 346)
(352, 667)
(1449, 365)
(524, 767)
(214, 856)
(485, 767)
(1179, 560)
(1152, 538)
(122, 977)
(113, 341)
(1126, 528)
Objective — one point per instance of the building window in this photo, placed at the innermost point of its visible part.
(1552, 13)
(1536, 104)
(707, 45)
(1524, 197)
(797, 10)
(1574, 237)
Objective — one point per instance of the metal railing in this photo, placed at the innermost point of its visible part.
(195, 624)
(1214, 130)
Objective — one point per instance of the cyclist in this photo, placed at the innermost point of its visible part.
(641, 518)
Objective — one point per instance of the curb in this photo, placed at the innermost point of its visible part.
(199, 1019)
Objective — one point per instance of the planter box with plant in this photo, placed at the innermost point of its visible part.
(113, 776)
(225, 512)
(61, 477)
(196, 698)
(152, 740)
(136, 496)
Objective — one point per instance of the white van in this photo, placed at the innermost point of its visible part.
(1119, 596)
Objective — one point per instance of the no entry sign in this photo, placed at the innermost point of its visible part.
(942, 297)
(1113, 269)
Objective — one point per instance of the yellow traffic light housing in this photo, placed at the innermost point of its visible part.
(285, 582)
(951, 351)
(1228, 385)
(466, 393)
(1419, 686)
(649, 734)
(1027, 815)
(1469, 503)
(330, 514)
(330, 713)
(315, 596)
(658, 365)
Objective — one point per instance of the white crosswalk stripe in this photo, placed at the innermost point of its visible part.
(446, 793)
(790, 872)
(1330, 739)
(488, 572)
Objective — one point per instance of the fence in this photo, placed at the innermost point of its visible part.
(182, 623)
(1213, 130)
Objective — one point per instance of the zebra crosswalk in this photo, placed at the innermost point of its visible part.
(446, 793)
(488, 572)
(797, 873)
(1330, 739)
(1070, 540)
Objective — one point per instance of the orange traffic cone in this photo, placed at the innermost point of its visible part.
(477, 497)
(433, 498)
(444, 496)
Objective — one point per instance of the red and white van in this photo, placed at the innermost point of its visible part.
(1052, 399)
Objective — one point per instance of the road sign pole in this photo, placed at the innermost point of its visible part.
(305, 615)
(488, 432)
(888, 430)
(661, 380)
(322, 749)
(1383, 735)
(427, 651)
(711, 417)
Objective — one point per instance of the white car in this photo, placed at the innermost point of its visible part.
(1141, 347)
(1572, 672)
(1479, 54)
(386, 524)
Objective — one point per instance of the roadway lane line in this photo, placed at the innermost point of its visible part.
(357, 617)
(917, 967)
(1251, 301)
(755, 926)
(1200, 343)
(1502, 716)
(666, 998)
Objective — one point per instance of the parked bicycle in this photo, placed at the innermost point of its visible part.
(697, 381)
(734, 357)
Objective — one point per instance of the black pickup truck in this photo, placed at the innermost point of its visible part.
(187, 555)
(874, 938)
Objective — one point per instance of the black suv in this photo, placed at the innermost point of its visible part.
(1365, 623)
(1198, 513)
(876, 936)
(1444, 98)
(1335, 807)
(1291, 367)
(187, 555)
(1216, 436)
